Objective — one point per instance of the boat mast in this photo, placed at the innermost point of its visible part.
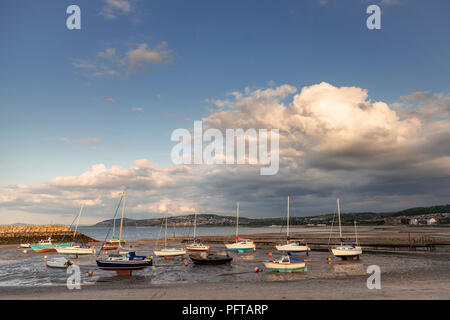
(114, 227)
(339, 217)
(76, 226)
(195, 222)
(123, 210)
(237, 221)
(165, 234)
(356, 233)
(288, 217)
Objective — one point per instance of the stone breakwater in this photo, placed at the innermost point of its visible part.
(34, 234)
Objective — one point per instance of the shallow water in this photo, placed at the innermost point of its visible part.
(28, 269)
(133, 233)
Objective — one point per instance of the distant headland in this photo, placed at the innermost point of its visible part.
(415, 216)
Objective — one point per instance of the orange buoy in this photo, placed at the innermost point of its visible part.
(270, 254)
(256, 269)
(186, 264)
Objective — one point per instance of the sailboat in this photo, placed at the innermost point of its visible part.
(292, 246)
(346, 249)
(76, 249)
(196, 246)
(114, 242)
(240, 245)
(168, 252)
(123, 263)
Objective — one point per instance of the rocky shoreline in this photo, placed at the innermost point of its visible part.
(34, 234)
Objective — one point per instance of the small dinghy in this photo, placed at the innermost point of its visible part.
(58, 262)
(287, 263)
(25, 245)
(211, 258)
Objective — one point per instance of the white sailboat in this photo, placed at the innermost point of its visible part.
(76, 249)
(346, 249)
(168, 252)
(292, 246)
(196, 246)
(240, 245)
(114, 242)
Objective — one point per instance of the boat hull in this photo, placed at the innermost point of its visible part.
(123, 265)
(197, 247)
(210, 261)
(288, 267)
(346, 253)
(241, 246)
(110, 247)
(293, 248)
(47, 247)
(75, 250)
(169, 253)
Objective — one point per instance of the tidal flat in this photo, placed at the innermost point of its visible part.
(404, 275)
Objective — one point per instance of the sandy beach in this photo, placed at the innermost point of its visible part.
(393, 287)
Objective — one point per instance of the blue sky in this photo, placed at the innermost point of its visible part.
(54, 116)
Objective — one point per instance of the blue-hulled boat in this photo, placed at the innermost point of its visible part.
(124, 263)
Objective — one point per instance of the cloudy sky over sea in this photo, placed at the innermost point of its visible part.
(362, 114)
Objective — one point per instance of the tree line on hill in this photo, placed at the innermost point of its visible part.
(363, 218)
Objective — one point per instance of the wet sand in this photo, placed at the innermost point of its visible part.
(391, 288)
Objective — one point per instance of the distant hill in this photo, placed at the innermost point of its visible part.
(367, 218)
